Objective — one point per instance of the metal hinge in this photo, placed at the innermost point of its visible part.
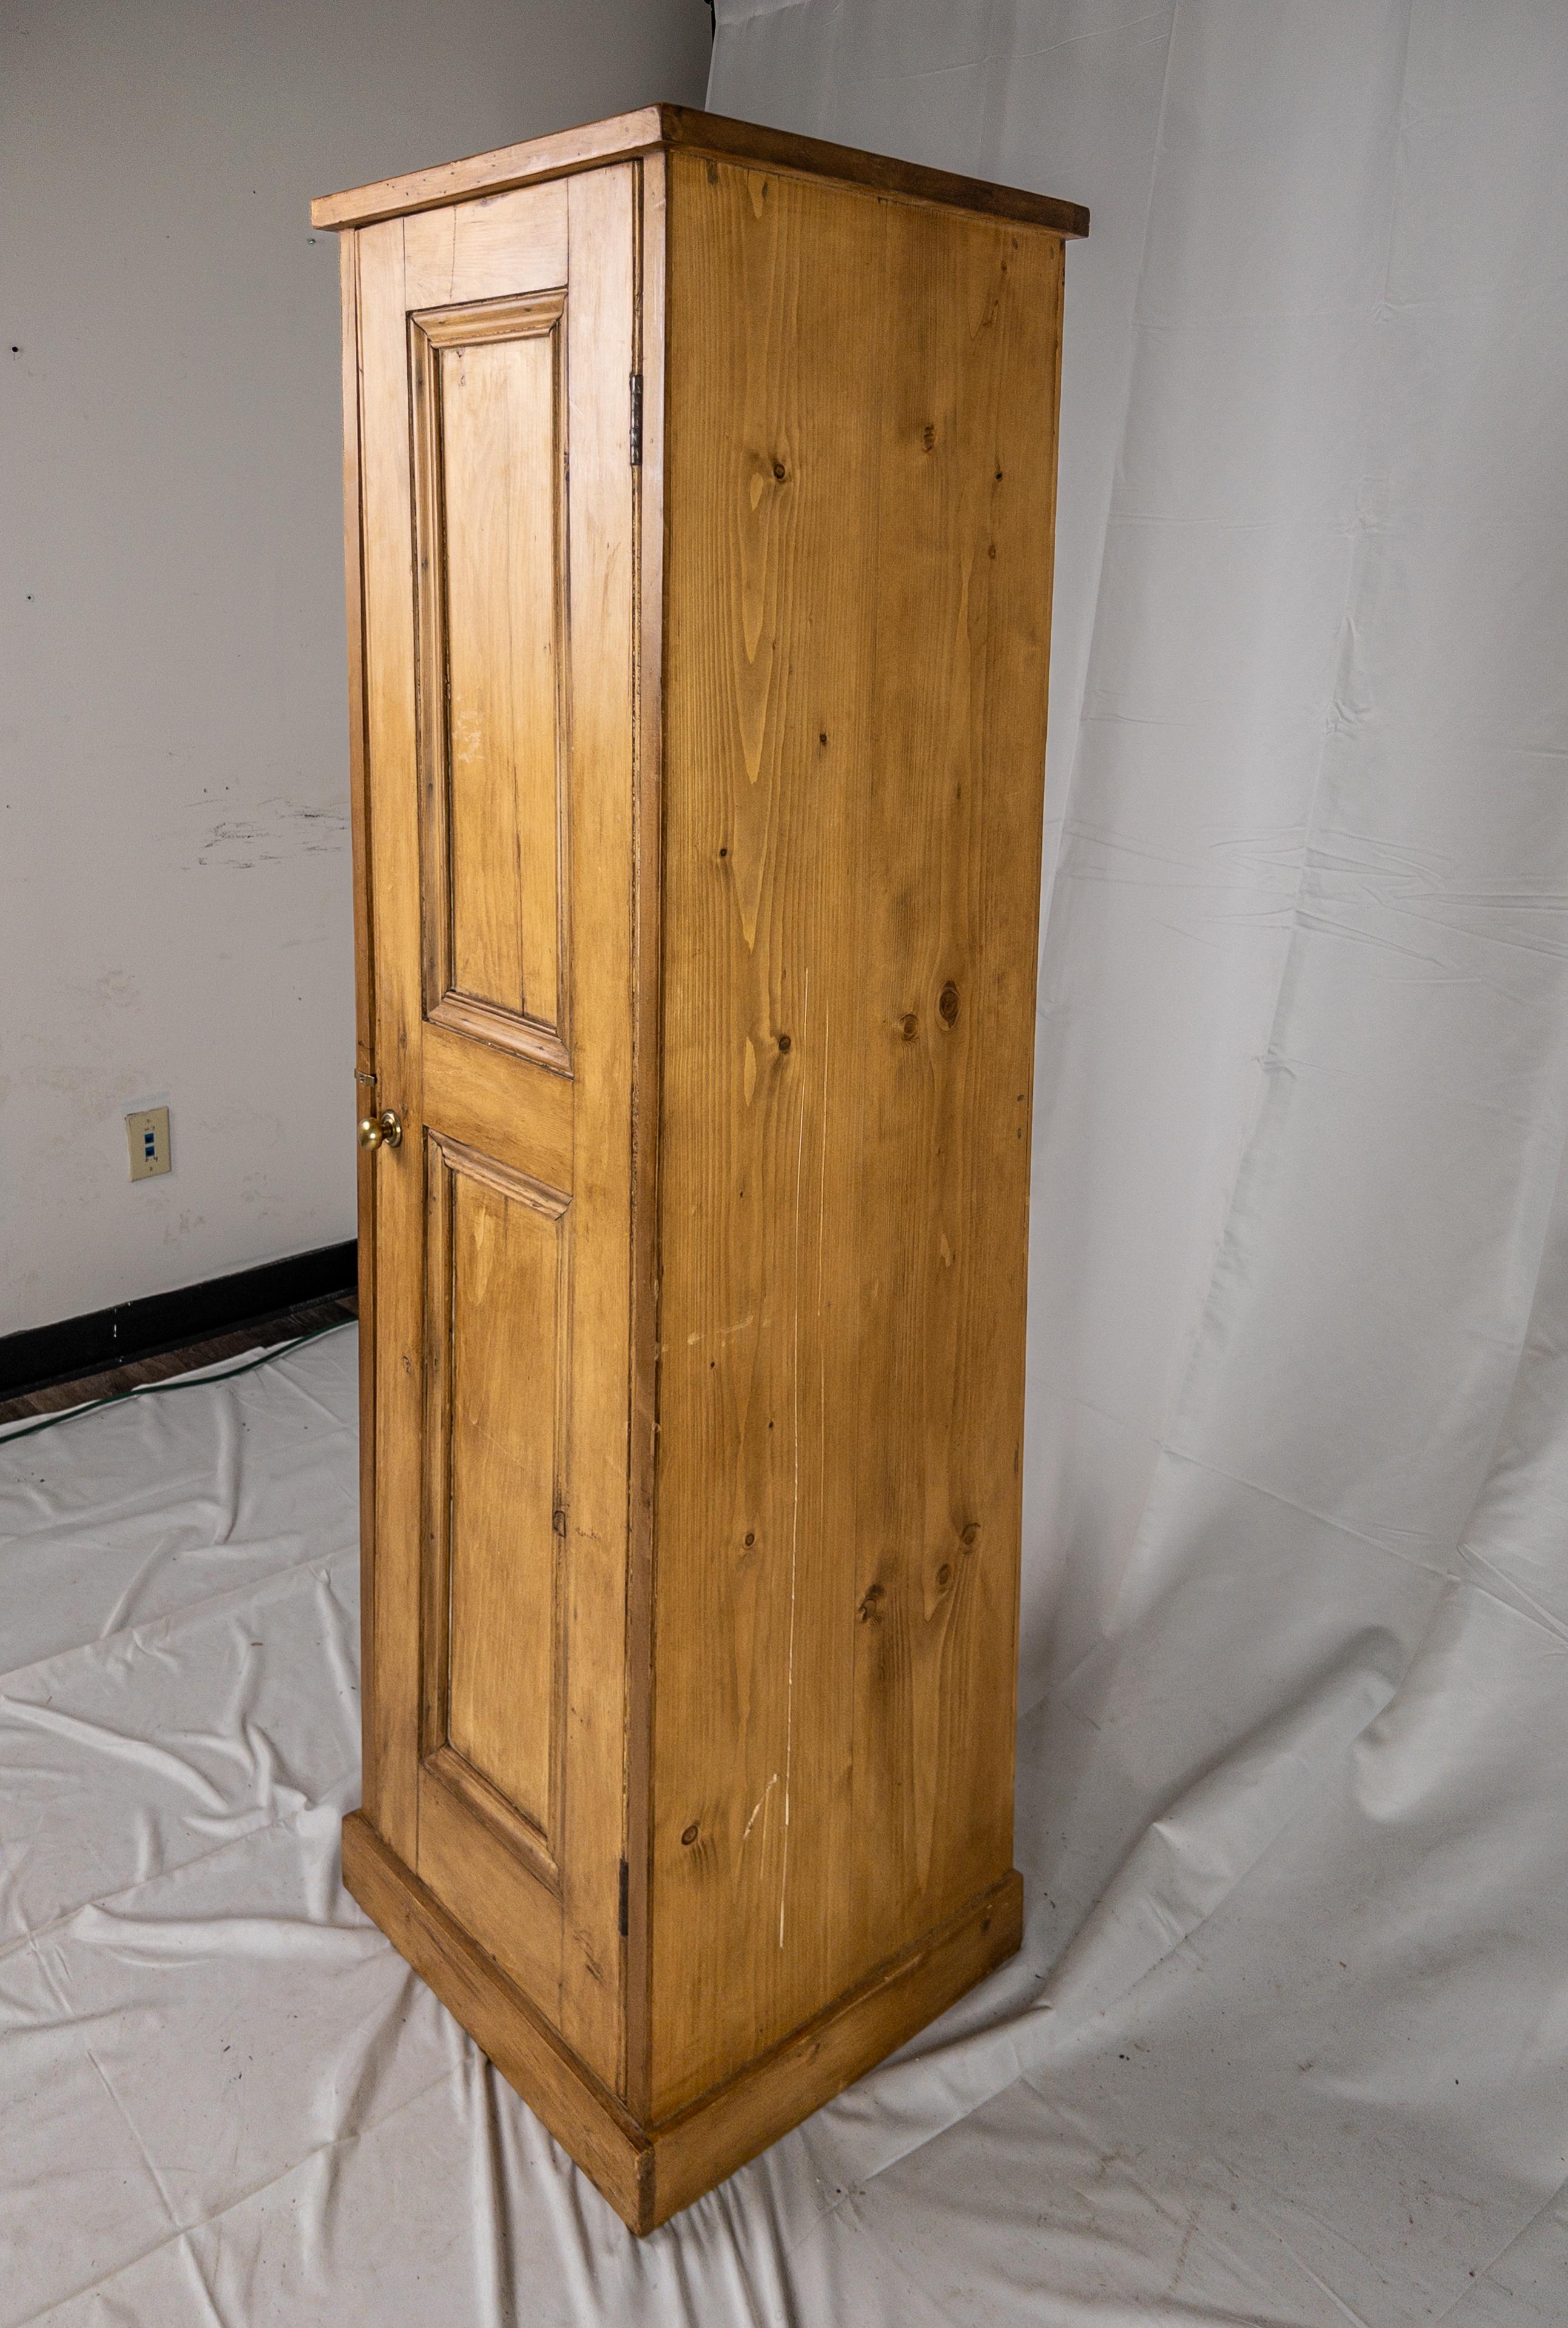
(625, 1879)
(636, 420)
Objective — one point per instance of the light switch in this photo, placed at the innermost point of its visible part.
(148, 1134)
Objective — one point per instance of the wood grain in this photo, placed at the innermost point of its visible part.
(601, 341)
(854, 749)
(488, 246)
(582, 2114)
(648, 2174)
(535, 159)
(487, 406)
(676, 128)
(396, 1228)
(703, 2144)
(479, 1106)
(498, 689)
(647, 809)
(498, 403)
(941, 1214)
(502, 1250)
(700, 815)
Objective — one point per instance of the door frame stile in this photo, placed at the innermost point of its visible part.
(389, 1625)
(650, 507)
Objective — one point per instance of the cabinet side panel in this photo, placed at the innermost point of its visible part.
(860, 474)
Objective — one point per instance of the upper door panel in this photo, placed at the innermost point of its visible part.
(488, 382)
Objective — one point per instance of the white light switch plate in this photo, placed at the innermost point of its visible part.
(147, 1132)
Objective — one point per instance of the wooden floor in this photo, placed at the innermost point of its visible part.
(282, 1326)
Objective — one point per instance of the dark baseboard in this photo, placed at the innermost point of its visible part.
(42, 1354)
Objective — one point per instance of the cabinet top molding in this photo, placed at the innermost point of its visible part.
(655, 128)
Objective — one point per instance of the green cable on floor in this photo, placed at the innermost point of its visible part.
(185, 1382)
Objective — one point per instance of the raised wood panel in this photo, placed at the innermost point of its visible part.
(489, 507)
(507, 1472)
(855, 693)
(500, 476)
(499, 1254)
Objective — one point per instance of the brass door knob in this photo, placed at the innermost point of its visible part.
(382, 1131)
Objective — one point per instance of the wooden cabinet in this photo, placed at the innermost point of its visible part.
(700, 489)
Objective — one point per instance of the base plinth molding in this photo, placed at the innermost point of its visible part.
(648, 2172)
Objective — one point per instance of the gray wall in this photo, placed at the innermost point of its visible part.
(174, 894)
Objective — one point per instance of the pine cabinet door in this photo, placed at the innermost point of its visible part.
(497, 339)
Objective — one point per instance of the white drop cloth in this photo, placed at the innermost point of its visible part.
(1303, 2064)
(1288, 2043)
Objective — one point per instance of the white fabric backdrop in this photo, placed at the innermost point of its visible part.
(1288, 2041)
(1298, 1577)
